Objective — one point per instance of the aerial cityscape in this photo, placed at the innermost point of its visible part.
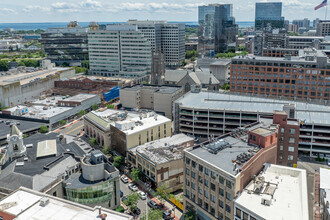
(177, 110)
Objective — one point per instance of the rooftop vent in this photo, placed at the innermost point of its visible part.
(44, 201)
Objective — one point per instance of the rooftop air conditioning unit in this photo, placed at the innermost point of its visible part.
(44, 201)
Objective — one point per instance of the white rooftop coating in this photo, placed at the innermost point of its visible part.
(319, 114)
(25, 204)
(289, 200)
(80, 97)
(158, 151)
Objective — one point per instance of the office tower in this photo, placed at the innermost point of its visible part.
(323, 28)
(165, 38)
(66, 44)
(302, 23)
(269, 14)
(120, 51)
(215, 29)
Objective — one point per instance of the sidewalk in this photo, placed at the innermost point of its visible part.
(176, 215)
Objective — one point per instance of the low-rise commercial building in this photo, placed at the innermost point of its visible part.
(325, 193)
(302, 77)
(20, 86)
(161, 161)
(29, 204)
(221, 70)
(323, 28)
(217, 170)
(157, 98)
(97, 184)
(219, 113)
(121, 130)
(277, 192)
(53, 109)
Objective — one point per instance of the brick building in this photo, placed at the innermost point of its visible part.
(302, 77)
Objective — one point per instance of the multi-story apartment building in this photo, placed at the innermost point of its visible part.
(66, 44)
(277, 192)
(268, 14)
(120, 51)
(305, 77)
(166, 38)
(215, 171)
(279, 52)
(161, 161)
(302, 42)
(302, 23)
(157, 98)
(219, 113)
(323, 28)
(216, 28)
(121, 130)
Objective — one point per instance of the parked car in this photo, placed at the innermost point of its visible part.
(132, 187)
(121, 193)
(166, 215)
(143, 196)
(152, 204)
(124, 179)
(136, 211)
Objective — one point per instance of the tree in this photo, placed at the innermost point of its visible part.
(118, 161)
(241, 48)
(192, 59)
(163, 192)
(183, 62)
(62, 122)
(0, 106)
(94, 106)
(153, 214)
(225, 86)
(135, 174)
(106, 150)
(85, 64)
(65, 64)
(110, 106)
(191, 215)
(120, 209)
(4, 65)
(43, 129)
(81, 113)
(132, 200)
(25, 136)
(93, 142)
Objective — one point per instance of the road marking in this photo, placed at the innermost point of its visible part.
(74, 129)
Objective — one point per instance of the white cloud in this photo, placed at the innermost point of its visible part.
(7, 10)
(31, 8)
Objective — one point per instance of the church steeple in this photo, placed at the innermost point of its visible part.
(14, 130)
(15, 147)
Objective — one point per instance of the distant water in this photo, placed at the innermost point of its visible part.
(44, 26)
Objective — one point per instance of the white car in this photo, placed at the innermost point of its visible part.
(143, 196)
(132, 187)
(124, 179)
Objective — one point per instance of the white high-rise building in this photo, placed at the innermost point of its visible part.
(119, 51)
(166, 38)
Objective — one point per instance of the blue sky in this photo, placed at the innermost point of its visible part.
(121, 10)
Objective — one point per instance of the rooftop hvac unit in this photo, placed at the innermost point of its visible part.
(44, 201)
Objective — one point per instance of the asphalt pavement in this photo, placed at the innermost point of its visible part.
(72, 129)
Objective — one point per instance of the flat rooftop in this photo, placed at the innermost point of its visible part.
(25, 204)
(163, 150)
(319, 114)
(27, 77)
(79, 98)
(23, 126)
(158, 89)
(283, 181)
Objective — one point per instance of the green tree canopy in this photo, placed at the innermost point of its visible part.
(4, 65)
(135, 174)
(118, 161)
(62, 122)
(94, 106)
(81, 113)
(153, 214)
(93, 142)
(190, 215)
(132, 200)
(106, 150)
(43, 129)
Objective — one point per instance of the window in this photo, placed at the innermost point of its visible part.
(228, 209)
(193, 185)
(281, 147)
(187, 161)
(207, 171)
(212, 198)
(228, 196)
(200, 167)
(228, 184)
(212, 187)
(282, 130)
(238, 213)
(206, 194)
(193, 175)
(291, 140)
(291, 149)
(200, 179)
(187, 182)
(200, 190)
(252, 218)
(206, 182)
(290, 157)
(187, 193)
(193, 164)
(222, 180)
(292, 131)
(221, 204)
(245, 216)
(187, 172)
(221, 192)
(213, 175)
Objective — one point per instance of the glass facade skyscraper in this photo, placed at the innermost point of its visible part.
(215, 29)
(269, 14)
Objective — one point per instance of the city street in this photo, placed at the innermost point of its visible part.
(72, 129)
